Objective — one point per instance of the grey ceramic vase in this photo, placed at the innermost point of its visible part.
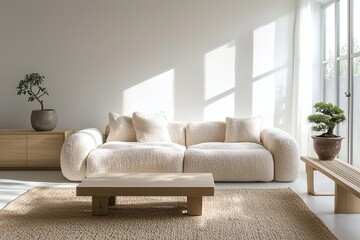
(327, 148)
(43, 120)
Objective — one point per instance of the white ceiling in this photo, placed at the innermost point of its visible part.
(323, 2)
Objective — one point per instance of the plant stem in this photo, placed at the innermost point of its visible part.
(37, 98)
(330, 130)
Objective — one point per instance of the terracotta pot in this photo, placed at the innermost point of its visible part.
(327, 148)
(43, 120)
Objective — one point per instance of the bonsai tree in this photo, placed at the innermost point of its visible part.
(32, 85)
(326, 118)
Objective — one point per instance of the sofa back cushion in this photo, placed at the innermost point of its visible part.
(243, 129)
(200, 132)
(150, 127)
(120, 128)
(176, 132)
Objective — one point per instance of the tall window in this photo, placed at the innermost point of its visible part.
(341, 69)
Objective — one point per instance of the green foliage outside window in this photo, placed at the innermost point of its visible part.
(330, 67)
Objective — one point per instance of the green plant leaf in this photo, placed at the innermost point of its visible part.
(27, 85)
(326, 118)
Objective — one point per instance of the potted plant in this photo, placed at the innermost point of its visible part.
(326, 145)
(42, 119)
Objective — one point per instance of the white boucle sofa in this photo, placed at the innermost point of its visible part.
(197, 147)
(276, 158)
(85, 152)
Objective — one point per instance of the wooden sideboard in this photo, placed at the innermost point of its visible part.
(29, 149)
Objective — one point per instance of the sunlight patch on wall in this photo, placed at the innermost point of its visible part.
(220, 109)
(264, 49)
(220, 70)
(153, 95)
(219, 83)
(264, 100)
(269, 98)
(270, 93)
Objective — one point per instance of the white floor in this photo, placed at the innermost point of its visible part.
(344, 226)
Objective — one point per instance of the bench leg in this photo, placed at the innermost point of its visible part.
(310, 179)
(310, 182)
(194, 206)
(100, 205)
(345, 201)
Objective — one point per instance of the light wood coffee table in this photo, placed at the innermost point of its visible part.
(105, 187)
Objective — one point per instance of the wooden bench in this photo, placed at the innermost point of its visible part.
(346, 178)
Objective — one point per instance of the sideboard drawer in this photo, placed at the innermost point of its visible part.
(29, 149)
(44, 150)
(13, 151)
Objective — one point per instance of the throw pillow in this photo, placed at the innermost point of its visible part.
(243, 129)
(121, 128)
(150, 127)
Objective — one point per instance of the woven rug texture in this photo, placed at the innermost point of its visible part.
(57, 213)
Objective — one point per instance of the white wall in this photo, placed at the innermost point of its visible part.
(195, 60)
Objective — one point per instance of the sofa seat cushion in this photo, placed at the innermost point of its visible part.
(149, 157)
(243, 161)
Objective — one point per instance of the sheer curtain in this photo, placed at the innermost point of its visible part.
(307, 70)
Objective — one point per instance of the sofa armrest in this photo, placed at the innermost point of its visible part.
(285, 152)
(75, 150)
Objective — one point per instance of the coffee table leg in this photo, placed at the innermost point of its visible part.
(112, 200)
(100, 205)
(194, 206)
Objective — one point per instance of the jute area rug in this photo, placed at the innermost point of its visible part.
(56, 213)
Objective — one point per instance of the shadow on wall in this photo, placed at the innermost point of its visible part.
(219, 94)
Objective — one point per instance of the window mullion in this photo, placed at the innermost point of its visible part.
(339, 58)
(350, 81)
(329, 3)
(354, 55)
(323, 54)
(337, 50)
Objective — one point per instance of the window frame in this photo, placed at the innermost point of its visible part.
(349, 57)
